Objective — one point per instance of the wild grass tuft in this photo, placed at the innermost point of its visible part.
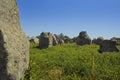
(73, 62)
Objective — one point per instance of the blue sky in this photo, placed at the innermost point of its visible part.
(97, 17)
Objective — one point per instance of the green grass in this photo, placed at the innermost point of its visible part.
(72, 62)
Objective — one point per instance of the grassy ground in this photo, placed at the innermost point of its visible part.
(72, 62)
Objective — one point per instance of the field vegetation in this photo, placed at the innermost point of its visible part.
(72, 62)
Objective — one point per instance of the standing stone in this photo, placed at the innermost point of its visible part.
(94, 41)
(74, 39)
(98, 41)
(34, 40)
(60, 41)
(46, 40)
(83, 38)
(108, 46)
(67, 39)
(14, 46)
(59, 38)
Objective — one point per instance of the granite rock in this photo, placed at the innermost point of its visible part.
(14, 46)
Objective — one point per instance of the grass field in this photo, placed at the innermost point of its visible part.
(72, 62)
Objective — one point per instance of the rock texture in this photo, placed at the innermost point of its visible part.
(67, 39)
(83, 38)
(14, 46)
(59, 39)
(108, 46)
(34, 40)
(46, 40)
(98, 41)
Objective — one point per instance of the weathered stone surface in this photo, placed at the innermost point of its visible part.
(83, 38)
(59, 38)
(14, 46)
(74, 39)
(67, 39)
(60, 41)
(34, 40)
(116, 39)
(98, 40)
(108, 46)
(46, 40)
(94, 41)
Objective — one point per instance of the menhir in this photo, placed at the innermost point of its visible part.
(108, 46)
(83, 38)
(46, 40)
(14, 46)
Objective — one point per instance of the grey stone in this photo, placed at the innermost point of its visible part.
(14, 46)
(94, 41)
(74, 39)
(59, 38)
(83, 38)
(60, 41)
(67, 39)
(34, 40)
(116, 39)
(108, 46)
(46, 40)
(98, 40)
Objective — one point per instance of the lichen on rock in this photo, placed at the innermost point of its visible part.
(14, 45)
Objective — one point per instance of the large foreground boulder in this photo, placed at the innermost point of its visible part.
(108, 46)
(14, 46)
(46, 40)
(83, 38)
